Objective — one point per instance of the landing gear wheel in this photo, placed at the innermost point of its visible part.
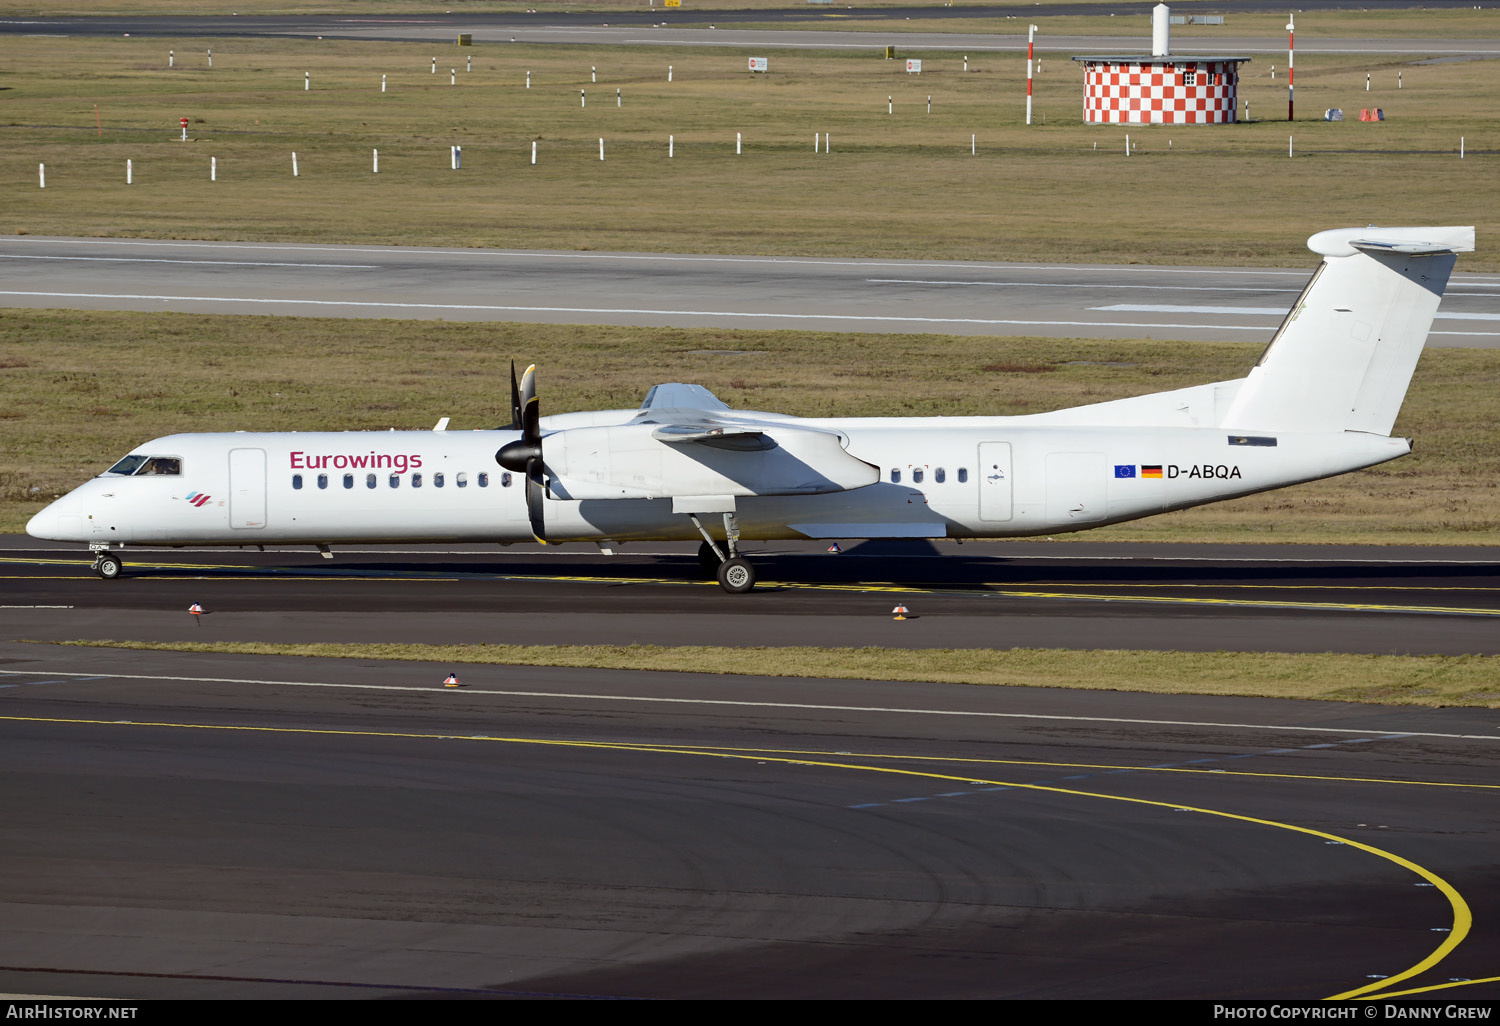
(708, 559)
(109, 566)
(736, 575)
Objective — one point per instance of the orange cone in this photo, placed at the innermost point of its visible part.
(452, 681)
(901, 612)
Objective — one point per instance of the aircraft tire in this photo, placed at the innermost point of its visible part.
(736, 575)
(109, 566)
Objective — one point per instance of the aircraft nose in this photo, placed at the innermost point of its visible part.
(55, 523)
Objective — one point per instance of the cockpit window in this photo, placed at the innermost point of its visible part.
(161, 466)
(144, 466)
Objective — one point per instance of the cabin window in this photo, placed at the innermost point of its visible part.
(322, 480)
(161, 466)
(484, 480)
(895, 476)
(369, 480)
(437, 480)
(505, 479)
(395, 480)
(129, 465)
(916, 476)
(1189, 78)
(462, 480)
(416, 480)
(963, 474)
(348, 480)
(939, 475)
(297, 482)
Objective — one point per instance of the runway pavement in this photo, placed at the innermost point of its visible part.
(978, 595)
(681, 290)
(182, 825)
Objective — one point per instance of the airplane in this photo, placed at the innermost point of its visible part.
(1320, 401)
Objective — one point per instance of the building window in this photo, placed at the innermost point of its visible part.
(297, 481)
(1189, 78)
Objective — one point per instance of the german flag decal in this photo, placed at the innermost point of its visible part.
(1151, 471)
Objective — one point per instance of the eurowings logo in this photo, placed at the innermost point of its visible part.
(198, 498)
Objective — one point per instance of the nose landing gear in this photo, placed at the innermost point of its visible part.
(108, 565)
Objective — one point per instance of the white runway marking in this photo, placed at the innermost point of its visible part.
(1083, 285)
(195, 263)
(651, 699)
(1259, 311)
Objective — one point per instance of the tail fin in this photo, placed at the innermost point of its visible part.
(1344, 356)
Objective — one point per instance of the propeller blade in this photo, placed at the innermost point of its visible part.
(536, 494)
(531, 430)
(515, 400)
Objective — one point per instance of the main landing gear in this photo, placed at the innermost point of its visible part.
(734, 572)
(108, 565)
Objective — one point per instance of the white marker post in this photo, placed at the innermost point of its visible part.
(1288, 146)
(890, 106)
(966, 62)
(382, 83)
(601, 149)
(171, 58)
(528, 80)
(583, 98)
(929, 105)
(307, 81)
(669, 72)
(434, 65)
(1127, 146)
(374, 162)
(128, 172)
(210, 58)
(469, 63)
(1030, 47)
(453, 76)
(294, 164)
(1398, 80)
(817, 140)
(973, 145)
(455, 156)
(41, 171)
(533, 151)
(617, 96)
(184, 129)
(736, 144)
(213, 169)
(1367, 81)
(1460, 147)
(1291, 65)
(593, 73)
(670, 146)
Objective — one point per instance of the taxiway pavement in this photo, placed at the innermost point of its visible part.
(681, 290)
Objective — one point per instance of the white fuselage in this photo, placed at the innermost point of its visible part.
(980, 477)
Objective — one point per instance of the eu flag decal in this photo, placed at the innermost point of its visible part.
(1124, 470)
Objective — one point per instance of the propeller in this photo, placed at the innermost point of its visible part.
(524, 455)
(515, 400)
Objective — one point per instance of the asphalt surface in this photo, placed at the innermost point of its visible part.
(977, 595)
(678, 290)
(182, 825)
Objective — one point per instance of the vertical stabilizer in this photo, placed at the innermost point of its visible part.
(1344, 356)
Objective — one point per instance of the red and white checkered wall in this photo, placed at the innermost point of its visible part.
(1165, 92)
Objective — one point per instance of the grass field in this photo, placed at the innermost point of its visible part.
(902, 182)
(1378, 680)
(78, 390)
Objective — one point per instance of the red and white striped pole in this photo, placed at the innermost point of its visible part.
(1291, 72)
(1030, 43)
